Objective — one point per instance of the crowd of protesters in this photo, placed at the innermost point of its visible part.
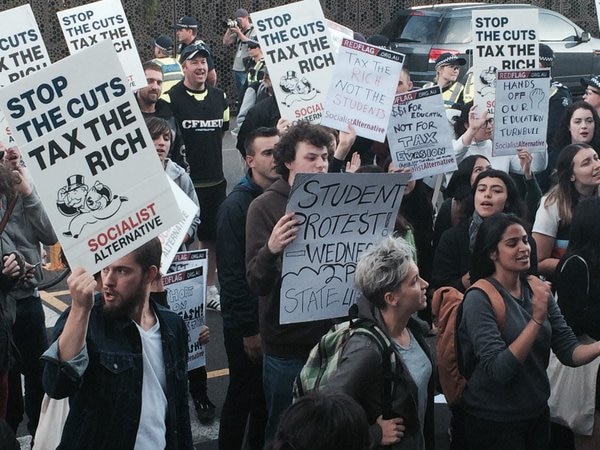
(120, 355)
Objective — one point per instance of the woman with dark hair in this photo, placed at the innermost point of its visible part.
(458, 194)
(392, 291)
(493, 191)
(577, 282)
(579, 124)
(578, 177)
(13, 270)
(506, 396)
(322, 422)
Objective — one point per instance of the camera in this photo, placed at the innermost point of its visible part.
(230, 23)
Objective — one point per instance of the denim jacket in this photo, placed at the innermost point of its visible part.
(104, 382)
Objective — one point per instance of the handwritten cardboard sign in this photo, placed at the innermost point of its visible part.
(89, 24)
(298, 53)
(22, 51)
(362, 89)
(504, 39)
(89, 152)
(172, 238)
(521, 113)
(419, 134)
(341, 216)
(186, 292)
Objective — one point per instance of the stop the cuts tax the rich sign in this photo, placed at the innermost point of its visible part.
(91, 157)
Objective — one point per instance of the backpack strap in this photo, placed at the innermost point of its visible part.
(495, 299)
(388, 361)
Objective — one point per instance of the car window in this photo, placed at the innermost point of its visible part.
(414, 28)
(553, 28)
(456, 30)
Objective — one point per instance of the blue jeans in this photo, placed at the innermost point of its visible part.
(239, 80)
(278, 379)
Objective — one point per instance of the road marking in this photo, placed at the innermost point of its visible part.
(218, 373)
(54, 302)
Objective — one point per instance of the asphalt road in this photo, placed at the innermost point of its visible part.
(56, 299)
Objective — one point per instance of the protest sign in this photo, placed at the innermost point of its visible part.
(186, 291)
(341, 216)
(362, 89)
(504, 39)
(298, 53)
(337, 33)
(89, 24)
(22, 51)
(419, 134)
(90, 154)
(172, 238)
(521, 113)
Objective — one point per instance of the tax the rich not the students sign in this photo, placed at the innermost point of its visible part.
(94, 164)
(362, 89)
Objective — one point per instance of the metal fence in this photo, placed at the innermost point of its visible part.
(149, 18)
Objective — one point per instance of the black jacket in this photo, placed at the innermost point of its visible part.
(264, 113)
(239, 305)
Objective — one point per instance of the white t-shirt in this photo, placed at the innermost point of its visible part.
(152, 430)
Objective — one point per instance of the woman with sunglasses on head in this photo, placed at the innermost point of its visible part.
(506, 396)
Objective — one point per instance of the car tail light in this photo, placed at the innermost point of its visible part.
(434, 53)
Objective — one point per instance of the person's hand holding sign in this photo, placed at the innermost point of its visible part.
(284, 232)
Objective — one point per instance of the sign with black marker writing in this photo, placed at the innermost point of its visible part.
(22, 51)
(521, 113)
(362, 89)
(341, 216)
(89, 24)
(298, 53)
(504, 39)
(88, 149)
(419, 134)
(185, 284)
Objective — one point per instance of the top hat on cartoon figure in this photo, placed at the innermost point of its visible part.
(74, 182)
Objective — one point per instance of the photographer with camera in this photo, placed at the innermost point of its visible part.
(239, 32)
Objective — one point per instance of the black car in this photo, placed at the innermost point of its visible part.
(423, 33)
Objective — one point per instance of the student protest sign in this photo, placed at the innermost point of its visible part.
(341, 216)
(419, 134)
(22, 51)
(521, 116)
(90, 154)
(299, 55)
(186, 291)
(172, 238)
(504, 39)
(362, 89)
(89, 24)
